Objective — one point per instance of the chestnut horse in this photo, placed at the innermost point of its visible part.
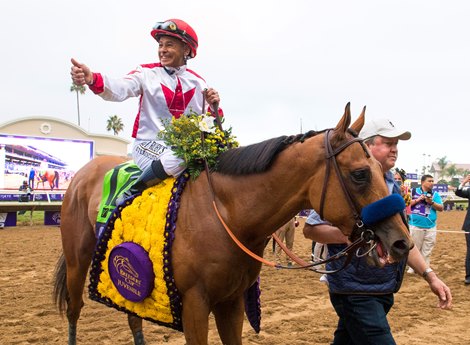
(50, 176)
(257, 189)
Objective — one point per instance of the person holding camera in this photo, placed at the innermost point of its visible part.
(463, 191)
(286, 233)
(26, 196)
(424, 206)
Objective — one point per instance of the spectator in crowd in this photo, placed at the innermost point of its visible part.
(31, 176)
(26, 196)
(463, 191)
(286, 233)
(319, 250)
(400, 178)
(363, 295)
(423, 217)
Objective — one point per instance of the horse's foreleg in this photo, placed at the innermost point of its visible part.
(229, 320)
(195, 318)
(135, 324)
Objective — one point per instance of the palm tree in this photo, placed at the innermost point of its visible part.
(79, 89)
(115, 124)
(442, 163)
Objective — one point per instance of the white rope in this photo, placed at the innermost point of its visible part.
(449, 231)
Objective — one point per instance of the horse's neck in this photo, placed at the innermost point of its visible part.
(262, 201)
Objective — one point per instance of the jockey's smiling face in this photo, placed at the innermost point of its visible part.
(172, 51)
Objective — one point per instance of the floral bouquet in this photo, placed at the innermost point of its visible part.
(195, 138)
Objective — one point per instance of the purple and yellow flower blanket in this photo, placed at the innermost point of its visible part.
(131, 268)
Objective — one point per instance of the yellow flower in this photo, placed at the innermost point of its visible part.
(184, 136)
(143, 222)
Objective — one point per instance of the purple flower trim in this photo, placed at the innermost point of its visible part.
(176, 302)
(253, 305)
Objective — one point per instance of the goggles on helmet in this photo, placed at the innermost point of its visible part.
(172, 27)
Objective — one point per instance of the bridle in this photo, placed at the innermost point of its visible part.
(364, 236)
(330, 156)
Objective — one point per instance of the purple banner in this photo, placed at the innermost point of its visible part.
(37, 196)
(52, 218)
(440, 188)
(7, 219)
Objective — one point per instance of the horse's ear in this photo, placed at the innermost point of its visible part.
(359, 123)
(343, 124)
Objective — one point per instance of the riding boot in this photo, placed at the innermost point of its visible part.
(150, 176)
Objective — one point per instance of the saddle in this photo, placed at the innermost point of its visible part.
(116, 181)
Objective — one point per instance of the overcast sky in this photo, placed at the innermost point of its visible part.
(276, 64)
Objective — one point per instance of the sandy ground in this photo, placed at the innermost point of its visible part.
(295, 305)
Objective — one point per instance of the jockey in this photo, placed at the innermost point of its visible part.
(166, 89)
(43, 167)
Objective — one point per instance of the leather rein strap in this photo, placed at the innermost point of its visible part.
(364, 237)
(348, 251)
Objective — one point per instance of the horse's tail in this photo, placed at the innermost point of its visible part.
(60, 293)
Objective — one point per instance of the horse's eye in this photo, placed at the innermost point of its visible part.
(361, 175)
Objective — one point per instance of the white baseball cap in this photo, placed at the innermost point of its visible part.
(384, 128)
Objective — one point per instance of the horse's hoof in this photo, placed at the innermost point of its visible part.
(72, 335)
(139, 338)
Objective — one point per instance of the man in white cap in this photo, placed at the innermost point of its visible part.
(381, 136)
(362, 295)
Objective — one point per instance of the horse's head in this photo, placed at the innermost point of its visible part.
(353, 179)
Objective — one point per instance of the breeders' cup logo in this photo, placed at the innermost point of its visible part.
(3, 219)
(56, 217)
(131, 271)
(129, 276)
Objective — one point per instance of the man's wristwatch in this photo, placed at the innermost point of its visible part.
(427, 271)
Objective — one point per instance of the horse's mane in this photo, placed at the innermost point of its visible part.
(256, 158)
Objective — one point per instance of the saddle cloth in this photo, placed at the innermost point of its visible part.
(147, 221)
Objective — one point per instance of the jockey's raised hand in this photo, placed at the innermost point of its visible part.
(81, 73)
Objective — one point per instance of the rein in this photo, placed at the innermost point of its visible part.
(366, 235)
(356, 245)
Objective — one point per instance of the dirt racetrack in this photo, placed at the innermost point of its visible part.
(295, 305)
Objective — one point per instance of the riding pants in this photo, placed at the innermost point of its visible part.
(144, 152)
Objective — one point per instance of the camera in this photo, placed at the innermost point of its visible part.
(428, 195)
